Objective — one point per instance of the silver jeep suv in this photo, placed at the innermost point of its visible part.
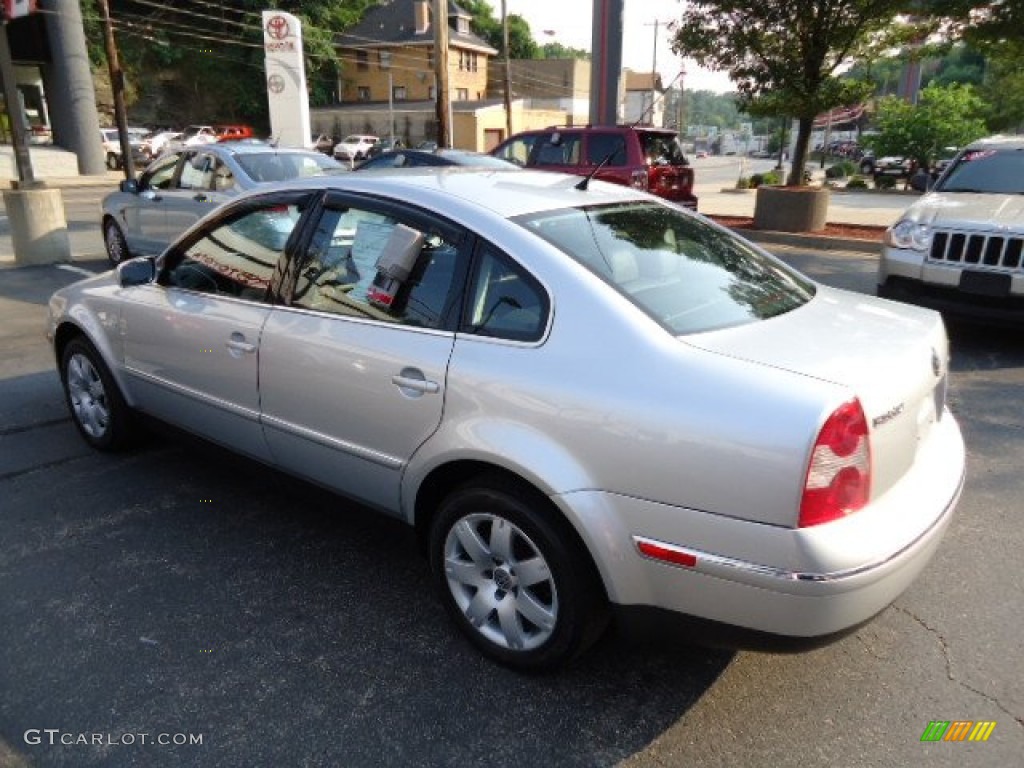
(959, 248)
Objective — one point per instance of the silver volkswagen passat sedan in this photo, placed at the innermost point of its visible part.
(143, 216)
(588, 402)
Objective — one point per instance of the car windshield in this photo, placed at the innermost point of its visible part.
(994, 171)
(687, 275)
(662, 149)
(284, 166)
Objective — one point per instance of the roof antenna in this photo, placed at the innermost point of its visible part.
(585, 181)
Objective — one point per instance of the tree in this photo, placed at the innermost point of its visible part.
(945, 116)
(521, 44)
(558, 51)
(203, 61)
(784, 55)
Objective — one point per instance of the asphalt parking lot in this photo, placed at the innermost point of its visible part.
(179, 593)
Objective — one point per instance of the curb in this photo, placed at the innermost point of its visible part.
(817, 242)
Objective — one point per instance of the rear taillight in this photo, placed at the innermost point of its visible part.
(638, 179)
(839, 474)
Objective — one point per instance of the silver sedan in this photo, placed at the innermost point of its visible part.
(589, 403)
(182, 186)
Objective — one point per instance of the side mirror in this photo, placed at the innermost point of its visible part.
(135, 272)
(129, 186)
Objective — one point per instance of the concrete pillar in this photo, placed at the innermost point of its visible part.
(69, 87)
(39, 231)
(606, 62)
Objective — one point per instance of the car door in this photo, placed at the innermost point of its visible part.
(191, 340)
(352, 382)
(190, 198)
(143, 215)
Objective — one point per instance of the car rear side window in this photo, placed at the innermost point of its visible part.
(505, 301)
(607, 148)
(687, 275)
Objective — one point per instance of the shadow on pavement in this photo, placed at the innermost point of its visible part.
(183, 589)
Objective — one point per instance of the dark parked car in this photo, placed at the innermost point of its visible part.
(417, 158)
(645, 158)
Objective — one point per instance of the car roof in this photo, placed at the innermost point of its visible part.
(506, 193)
(998, 142)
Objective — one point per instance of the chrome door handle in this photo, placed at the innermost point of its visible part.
(237, 343)
(412, 383)
(416, 385)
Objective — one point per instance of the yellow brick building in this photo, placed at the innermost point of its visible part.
(391, 52)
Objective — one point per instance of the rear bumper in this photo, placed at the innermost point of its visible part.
(799, 583)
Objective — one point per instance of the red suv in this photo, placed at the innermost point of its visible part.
(642, 157)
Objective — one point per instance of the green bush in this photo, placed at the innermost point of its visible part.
(885, 182)
(742, 183)
(756, 180)
(841, 170)
(857, 182)
(772, 177)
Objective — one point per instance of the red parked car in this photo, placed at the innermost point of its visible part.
(234, 132)
(638, 156)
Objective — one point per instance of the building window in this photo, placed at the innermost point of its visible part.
(472, 62)
(398, 93)
(362, 60)
(462, 94)
(385, 59)
(462, 61)
(432, 93)
(364, 93)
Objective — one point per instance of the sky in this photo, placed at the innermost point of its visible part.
(570, 20)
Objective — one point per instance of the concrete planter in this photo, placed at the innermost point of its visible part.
(791, 209)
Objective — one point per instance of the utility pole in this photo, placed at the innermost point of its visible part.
(441, 72)
(15, 113)
(654, 69)
(508, 72)
(117, 84)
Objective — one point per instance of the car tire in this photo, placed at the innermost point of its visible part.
(117, 246)
(867, 169)
(93, 398)
(514, 577)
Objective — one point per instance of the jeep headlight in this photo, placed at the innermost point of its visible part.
(909, 234)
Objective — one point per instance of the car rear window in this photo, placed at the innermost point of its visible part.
(662, 149)
(687, 275)
(995, 171)
(284, 166)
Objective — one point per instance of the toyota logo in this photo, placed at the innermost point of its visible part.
(277, 27)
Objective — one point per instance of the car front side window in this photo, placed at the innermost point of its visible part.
(236, 256)
(160, 174)
(518, 150)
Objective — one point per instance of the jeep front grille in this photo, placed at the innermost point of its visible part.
(997, 251)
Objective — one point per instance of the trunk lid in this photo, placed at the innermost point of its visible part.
(893, 357)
